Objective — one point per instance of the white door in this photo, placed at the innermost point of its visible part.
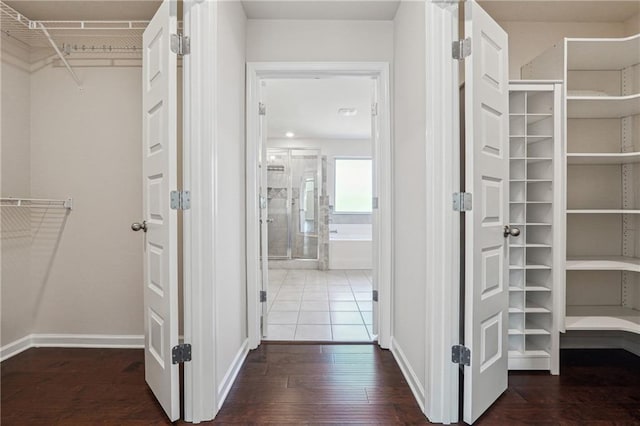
(376, 261)
(159, 167)
(487, 178)
(264, 221)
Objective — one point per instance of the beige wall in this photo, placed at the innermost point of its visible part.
(86, 145)
(19, 296)
(632, 25)
(528, 39)
(409, 156)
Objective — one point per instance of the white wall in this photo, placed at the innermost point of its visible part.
(86, 145)
(528, 39)
(293, 40)
(18, 294)
(229, 169)
(409, 157)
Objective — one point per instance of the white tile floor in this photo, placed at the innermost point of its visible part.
(320, 305)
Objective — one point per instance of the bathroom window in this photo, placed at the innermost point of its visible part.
(353, 185)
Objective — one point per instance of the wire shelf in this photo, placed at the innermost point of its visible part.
(36, 202)
(70, 37)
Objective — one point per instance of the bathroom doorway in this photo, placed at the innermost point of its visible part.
(314, 145)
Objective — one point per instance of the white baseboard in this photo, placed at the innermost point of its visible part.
(15, 347)
(71, 341)
(409, 374)
(231, 374)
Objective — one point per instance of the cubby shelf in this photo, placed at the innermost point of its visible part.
(603, 158)
(604, 263)
(603, 106)
(603, 318)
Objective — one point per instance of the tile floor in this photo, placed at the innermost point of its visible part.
(320, 305)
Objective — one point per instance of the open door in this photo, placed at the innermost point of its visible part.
(159, 167)
(487, 178)
(264, 223)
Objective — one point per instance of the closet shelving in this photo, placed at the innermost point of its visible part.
(36, 202)
(602, 93)
(73, 39)
(534, 148)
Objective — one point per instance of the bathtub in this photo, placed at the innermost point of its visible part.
(350, 246)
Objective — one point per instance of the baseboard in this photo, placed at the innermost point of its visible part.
(230, 377)
(601, 340)
(71, 341)
(15, 347)
(409, 374)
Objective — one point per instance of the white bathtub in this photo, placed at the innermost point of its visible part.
(350, 246)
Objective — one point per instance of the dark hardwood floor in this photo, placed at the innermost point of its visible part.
(295, 384)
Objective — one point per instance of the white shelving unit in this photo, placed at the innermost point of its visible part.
(535, 131)
(602, 172)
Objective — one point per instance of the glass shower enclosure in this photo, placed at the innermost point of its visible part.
(293, 194)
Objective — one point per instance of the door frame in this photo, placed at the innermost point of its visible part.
(443, 166)
(383, 234)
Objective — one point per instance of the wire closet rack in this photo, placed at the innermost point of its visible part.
(66, 38)
(36, 202)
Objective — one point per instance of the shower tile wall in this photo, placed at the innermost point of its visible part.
(277, 199)
(304, 245)
(323, 222)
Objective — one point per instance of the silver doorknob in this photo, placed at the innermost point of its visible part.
(269, 220)
(511, 232)
(139, 226)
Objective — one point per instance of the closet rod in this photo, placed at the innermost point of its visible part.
(61, 56)
(18, 202)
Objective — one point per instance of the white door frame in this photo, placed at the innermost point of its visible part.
(383, 234)
(199, 155)
(443, 224)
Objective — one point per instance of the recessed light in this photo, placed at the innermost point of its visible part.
(347, 112)
(289, 134)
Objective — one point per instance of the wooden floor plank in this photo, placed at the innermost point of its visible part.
(308, 384)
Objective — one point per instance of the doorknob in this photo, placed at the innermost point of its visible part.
(139, 226)
(269, 220)
(510, 232)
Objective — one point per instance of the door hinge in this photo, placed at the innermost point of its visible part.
(374, 295)
(374, 203)
(180, 44)
(181, 353)
(460, 49)
(262, 109)
(462, 201)
(374, 109)
(180, 200)
(263, 296)
(460, 354)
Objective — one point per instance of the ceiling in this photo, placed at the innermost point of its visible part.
(309, 107)
(561, 11)
(501, 10)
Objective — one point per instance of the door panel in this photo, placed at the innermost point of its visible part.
(487, 174)
(159, 165)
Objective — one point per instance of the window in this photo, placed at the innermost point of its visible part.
(353, 185)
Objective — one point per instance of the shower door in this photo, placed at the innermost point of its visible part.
(293, 190)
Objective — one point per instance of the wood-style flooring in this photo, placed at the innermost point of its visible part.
(295, 384)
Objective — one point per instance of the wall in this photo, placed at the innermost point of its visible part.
(632, 25)
(86, 145)
(229, 204)
(528, 39)
(409, 156)
(19, 296)
(293, 40)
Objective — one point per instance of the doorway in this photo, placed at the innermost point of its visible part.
(317, 142)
